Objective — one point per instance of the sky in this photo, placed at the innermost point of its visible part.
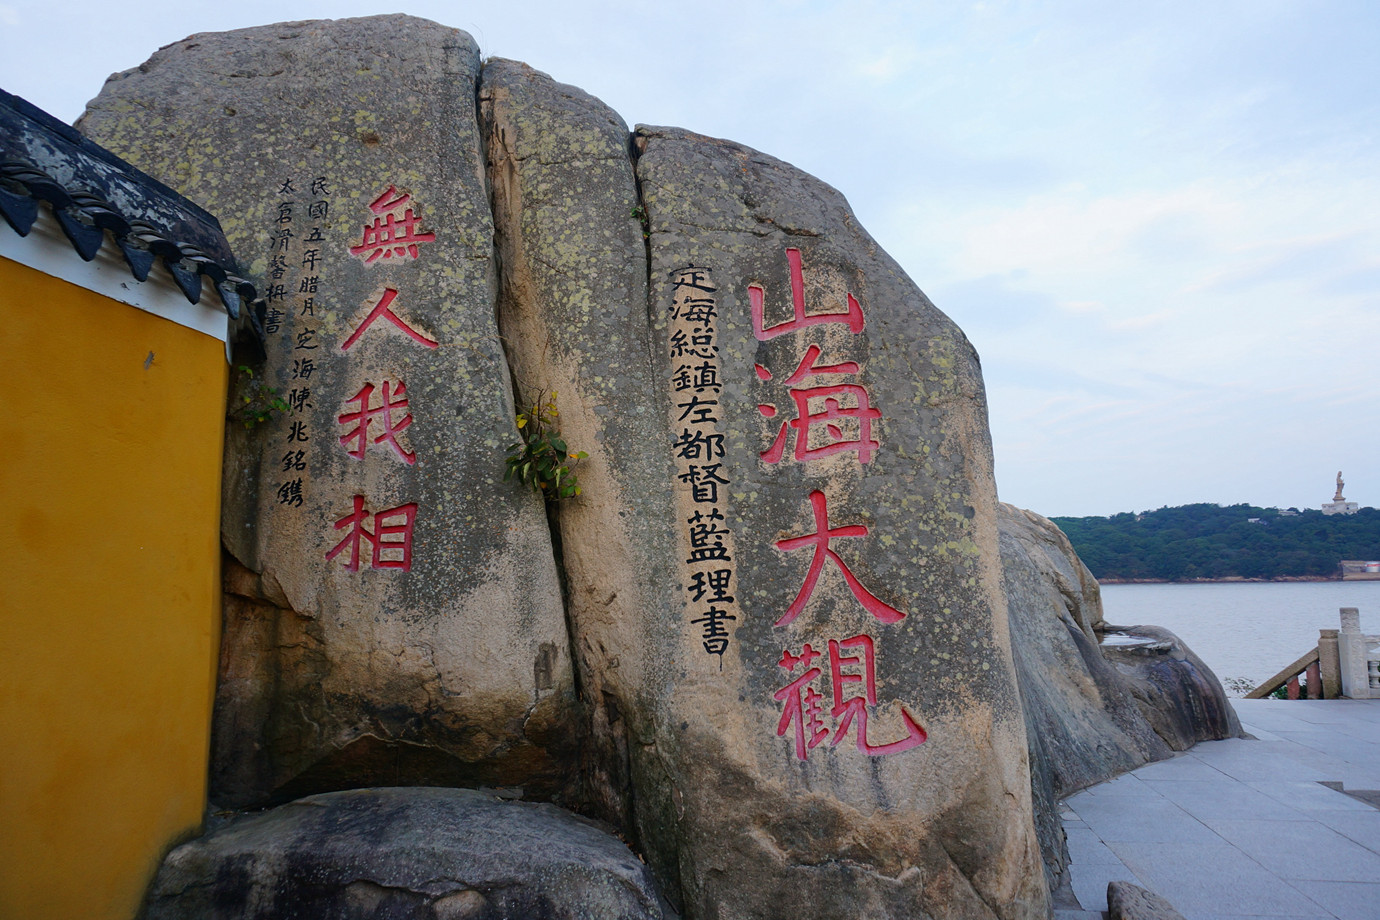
(1159, 223)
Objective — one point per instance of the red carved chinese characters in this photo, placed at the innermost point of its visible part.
(757, 298)
(376, 414)
(384, 308)
(392, 534)
(833, 416)
(391, 235)
(820, 541)
(364, 418)
(803, 704)
(837, 402)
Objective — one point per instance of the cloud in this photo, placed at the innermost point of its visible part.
(887, 65)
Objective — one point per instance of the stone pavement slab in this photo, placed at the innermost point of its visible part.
(1211, 879)
(1295, 850)
(1209, 799)
(1308, 798)
(1347, 900)
(1363, 828)
(1244, 828)
(1148, 819)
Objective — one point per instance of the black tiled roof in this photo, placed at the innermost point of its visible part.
(92, 191)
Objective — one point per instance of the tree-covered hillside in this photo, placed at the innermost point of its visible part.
(1212, 541)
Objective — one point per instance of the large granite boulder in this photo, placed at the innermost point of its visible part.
(573, 308)
(1175, 689)
(834, 726)
(423, 853)
(393, 610)
(755, 783)
(1099, 701)
(783, 586)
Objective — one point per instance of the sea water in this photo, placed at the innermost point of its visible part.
(1251, 630)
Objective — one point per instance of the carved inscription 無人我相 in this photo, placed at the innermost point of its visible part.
(379, 412)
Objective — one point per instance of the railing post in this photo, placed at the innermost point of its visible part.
(1351, 650)
(1314, 679)
(1331, 664)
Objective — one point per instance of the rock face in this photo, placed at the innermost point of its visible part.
(1082, 715)
(393, 610)
(1082, 725)
(837, 727)
(770, 642)
(573, 307)
(1176, 691)
(676, 575)
(424, 853)
(782, 587)
(1092, 710)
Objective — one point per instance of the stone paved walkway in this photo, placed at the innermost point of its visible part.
(1244, 828)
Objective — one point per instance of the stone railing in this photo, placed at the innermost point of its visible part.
(1345, 663)
(1360, 658)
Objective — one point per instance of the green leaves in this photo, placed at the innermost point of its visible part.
(543, 460)
(259, 401)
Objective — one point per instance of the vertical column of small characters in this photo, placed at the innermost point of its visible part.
(286, 258)
(696, 385)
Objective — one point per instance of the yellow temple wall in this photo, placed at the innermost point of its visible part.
(109, 613)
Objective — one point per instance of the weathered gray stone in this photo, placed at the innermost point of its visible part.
(1083, 726)
(1176, 691)
(425, 853)
(573, 309)
(1092, 710)
(451, 665)
(1126, 901)
(731, 819)
(786, 721)
(744, 803)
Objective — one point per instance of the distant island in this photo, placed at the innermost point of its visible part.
(1213, 542)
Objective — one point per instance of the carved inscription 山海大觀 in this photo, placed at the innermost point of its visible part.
(832, 415)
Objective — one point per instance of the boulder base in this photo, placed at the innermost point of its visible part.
(1092, 710)
(1175, 689)
(1132, 902)
(402, 853)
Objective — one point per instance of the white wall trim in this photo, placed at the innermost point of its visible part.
(47, 250)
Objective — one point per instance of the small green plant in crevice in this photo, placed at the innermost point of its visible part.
(259, 402)
(639, 214)
(542, 460)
